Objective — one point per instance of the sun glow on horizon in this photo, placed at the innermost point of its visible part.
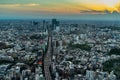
(60, 7)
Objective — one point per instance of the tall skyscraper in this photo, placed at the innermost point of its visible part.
(54, 23)
(44, 25)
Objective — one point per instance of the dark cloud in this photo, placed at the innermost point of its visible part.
(97, 12)
(91, 12)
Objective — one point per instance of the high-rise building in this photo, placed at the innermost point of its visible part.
(44, 25)
(54, 23)
(90, 75)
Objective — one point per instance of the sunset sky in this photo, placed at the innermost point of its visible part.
(69, 9)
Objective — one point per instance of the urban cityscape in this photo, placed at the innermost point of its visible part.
(59, 50)
(59, 39)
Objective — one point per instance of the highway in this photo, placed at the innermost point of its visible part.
(47, 60)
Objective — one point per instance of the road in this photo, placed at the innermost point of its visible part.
(47, 60)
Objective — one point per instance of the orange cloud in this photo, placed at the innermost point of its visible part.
(19, 5)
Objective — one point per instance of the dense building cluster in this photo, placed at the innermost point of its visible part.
(79, 50)
(22, 45)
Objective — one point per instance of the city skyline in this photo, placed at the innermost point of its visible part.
(63, 9)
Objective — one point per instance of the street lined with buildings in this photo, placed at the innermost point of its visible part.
(47, 60)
